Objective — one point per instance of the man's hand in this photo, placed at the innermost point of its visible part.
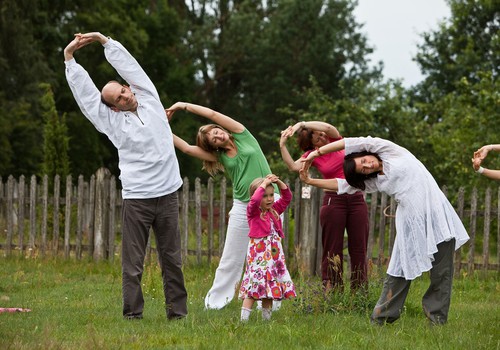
(92, 36)
(74, 45)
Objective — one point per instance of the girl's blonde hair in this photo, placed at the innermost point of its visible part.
(253, 187)
(203, 142)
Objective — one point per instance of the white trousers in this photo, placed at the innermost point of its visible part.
(231, 264)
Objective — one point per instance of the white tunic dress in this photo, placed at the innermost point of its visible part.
(424, 216)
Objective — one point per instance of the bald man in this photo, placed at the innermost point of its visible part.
(133, 118)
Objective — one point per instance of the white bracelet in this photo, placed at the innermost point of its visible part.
(480, 170)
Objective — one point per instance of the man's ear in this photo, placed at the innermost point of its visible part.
(114, 109)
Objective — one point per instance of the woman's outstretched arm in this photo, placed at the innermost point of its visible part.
(193, 151)
(285, 154)
(331, 147)
(328, 129)
(223, 120)
(327, 184)
(479, 156)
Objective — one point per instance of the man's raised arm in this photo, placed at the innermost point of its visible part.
(128, 67)
(80, 41)
(86, 94)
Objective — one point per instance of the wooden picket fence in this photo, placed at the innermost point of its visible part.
(85, 222)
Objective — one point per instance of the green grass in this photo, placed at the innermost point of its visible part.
(77, 305)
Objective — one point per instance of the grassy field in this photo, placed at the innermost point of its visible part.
(77, 305)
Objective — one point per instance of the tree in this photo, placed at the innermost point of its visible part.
(5, 132)
(463, 47)
(469, 120)
(55, 138)
(23, 66)
(458, 100)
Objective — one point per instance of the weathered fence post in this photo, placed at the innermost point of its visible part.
(472, 231)
(91, 214)
(45, 211)
(10, 213)
(99, 216)
(296, 213)
(32, 215)
(79, 217)
(197, 201)
(309, 210)
(55, 231)
(20, 217)
(319, 241)
(111, 218)
(67, 215)
(486, 231)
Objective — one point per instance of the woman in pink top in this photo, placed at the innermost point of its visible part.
(338, 212)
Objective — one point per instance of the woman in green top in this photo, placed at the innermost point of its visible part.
(226, 146)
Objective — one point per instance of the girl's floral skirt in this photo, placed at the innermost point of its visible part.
(266, 275)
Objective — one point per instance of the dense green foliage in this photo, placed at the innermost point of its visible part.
(55, 136)
(265, 63)
(458, 103)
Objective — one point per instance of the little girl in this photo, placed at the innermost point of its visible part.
(266, 277)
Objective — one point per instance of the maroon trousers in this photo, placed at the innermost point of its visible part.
(339, 213)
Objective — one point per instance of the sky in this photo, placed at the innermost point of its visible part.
(392, 28)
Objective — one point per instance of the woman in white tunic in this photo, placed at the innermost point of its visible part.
(428, 228)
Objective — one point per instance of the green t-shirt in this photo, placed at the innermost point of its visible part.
(248, 164)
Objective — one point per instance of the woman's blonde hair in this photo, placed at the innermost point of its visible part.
(253, 187)
(203, 142)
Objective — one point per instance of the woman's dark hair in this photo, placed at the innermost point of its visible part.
(352, 177)
(304, 139)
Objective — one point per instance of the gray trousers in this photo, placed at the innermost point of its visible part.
(139, 215)
(436, 300)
